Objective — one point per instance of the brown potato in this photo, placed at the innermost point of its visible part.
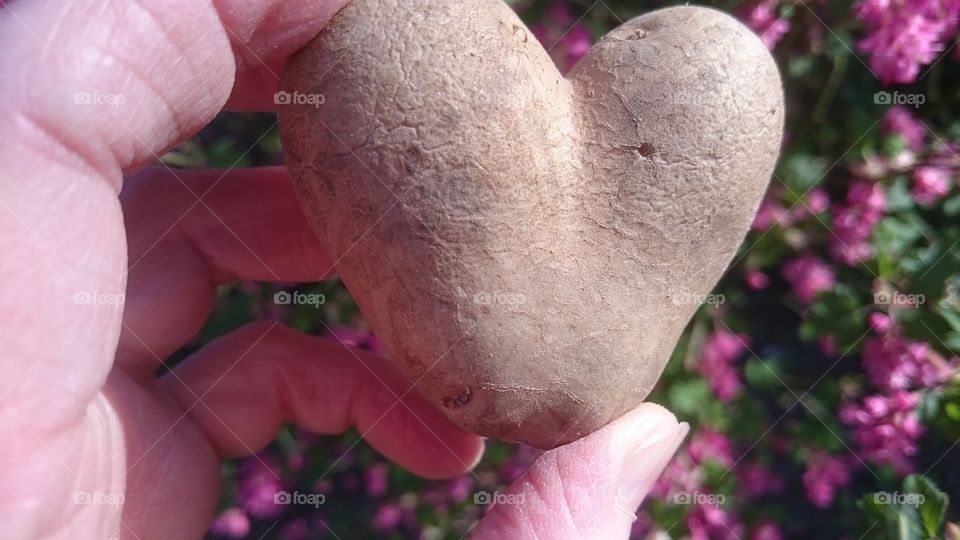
(529, 247)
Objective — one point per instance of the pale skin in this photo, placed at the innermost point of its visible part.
(81, 411)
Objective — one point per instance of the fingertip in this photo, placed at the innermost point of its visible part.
(423, 441)
(591, 488)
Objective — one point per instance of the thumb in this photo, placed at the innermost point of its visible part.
(590, 488)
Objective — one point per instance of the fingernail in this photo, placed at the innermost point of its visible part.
(654, 449)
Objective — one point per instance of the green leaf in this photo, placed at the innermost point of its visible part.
(928, 326)
(763, 373)
(838, 44)
(799, 67)
(893, 237)
(802, 171)
(898, 196)
(951, 206)
(896, 521)
(838, 313)
(933, 503)
(951, 315)
(687, 397)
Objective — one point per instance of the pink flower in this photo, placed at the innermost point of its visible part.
(761, 17)
(708, 444)
(232, 523)
(881, 323)
(297, 529)
(853, 224)
(387, 518)
(756, 480)
(893, 362)
(818, 201)
(641, 525)
(808, 276)
(558, 14)
(257, 485)
(767, 531)
(566, 44)
(886, 429)
(898, 52)
(719, 352)
(681, 474)
(900, 121)
(576, 44)
(518, 463)
(828, 345)
(756, 280)
(376, 477)
(709, 522)
(905, 35)
(769, 214)
(930, 184)
(460, 487)
(824, 475)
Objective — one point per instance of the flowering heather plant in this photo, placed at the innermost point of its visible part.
(823, 390)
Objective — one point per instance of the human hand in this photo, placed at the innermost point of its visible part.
(93, 92)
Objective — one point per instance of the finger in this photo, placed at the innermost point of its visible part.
(164, 460)
(122, 81)
(244, 386)
(264, 35)
(590, 488)
(98, 88)
(190, 231)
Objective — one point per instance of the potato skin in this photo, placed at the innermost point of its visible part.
(529, 247)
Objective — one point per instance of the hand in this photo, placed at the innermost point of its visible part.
(99, 286)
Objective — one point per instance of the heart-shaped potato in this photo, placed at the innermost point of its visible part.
(529, 247)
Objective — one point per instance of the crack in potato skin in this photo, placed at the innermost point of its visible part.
(518, 240)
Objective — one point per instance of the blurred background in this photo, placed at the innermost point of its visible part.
(821, 377)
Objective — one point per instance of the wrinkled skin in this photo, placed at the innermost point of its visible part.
(530, 247)
(82, 417)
